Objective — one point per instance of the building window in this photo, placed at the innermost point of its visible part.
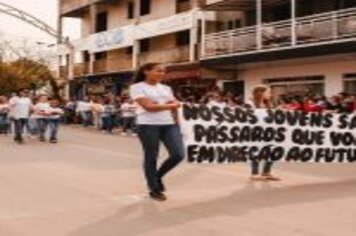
(101, 22)
(183, 38)
(145, 7)
(299, 86)
(349, 83)
(86, 56)
(145, 45)
(230, 25)
(100, 56)
(237, 23)
(129, 51)
(130, 10)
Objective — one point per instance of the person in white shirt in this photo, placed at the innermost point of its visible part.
(54, 117)
(12, 100)
(84, 109)
(156, 112)
(40, 111)
(128, 113)
(261, 98)
(20, 109)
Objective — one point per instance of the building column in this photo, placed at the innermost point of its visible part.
(193, 37)
(259, 22)
(136, 45)
(333, 83)
(203, 34)
(93, 14)
(91, 63)
(294, 23)
(136, 54)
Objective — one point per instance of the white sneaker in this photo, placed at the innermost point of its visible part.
(123, 134)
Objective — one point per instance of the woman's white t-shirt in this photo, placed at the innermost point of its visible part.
(160, 94)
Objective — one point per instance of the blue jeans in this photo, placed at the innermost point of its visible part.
(19, 128)
(53, 125)
(151, 136)
(42, 124)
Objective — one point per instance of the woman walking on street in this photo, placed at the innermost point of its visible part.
(156, 124)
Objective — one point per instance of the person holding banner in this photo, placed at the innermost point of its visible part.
(261, 99)
(156, 124)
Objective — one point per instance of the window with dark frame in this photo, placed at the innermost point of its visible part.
(100, 56)
(145, 7)
(130, 10)
(183, 38)
(129, 51)
(101, 22)
(145, 45)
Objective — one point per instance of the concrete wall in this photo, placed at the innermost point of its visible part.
(333, 72)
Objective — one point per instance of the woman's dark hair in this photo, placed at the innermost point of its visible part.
(140, 74)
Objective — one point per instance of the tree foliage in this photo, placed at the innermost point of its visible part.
(24, 73)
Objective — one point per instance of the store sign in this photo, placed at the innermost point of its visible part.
(109, 39)
(112, 39)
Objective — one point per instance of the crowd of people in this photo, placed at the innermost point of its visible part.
(39, 116)
(109, 112)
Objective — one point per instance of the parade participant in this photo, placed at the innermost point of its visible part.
(4, 112)
(156, 124)
(128, 113)
(97, 108)
(54, 116)
(40, 114)
(14, 96)
(20, 108)
(261, 99)
(108, 115)
(83, 108)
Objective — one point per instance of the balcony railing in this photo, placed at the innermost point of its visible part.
(122, 63)
(331, 27)
(99, 66)
(81, 69)
(180, 54)
(112, 65)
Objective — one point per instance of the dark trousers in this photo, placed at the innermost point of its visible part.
(108, 123)
(53, 125)
(19, 128)
(151, 136)
(255, 167)
(128, 124)
(42, 124)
